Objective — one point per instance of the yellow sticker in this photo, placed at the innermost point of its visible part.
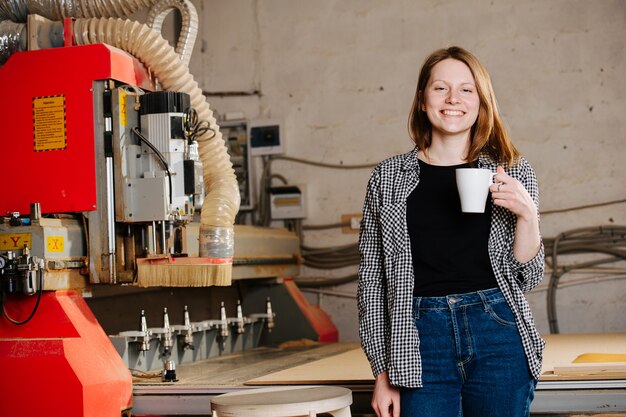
(49, 129)
(286, 201)
(55, 243)
(123, 116)
(15, 241)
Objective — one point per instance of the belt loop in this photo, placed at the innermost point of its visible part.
(416, 307)
(484, 300)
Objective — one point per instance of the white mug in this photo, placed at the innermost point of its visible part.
(473, 185)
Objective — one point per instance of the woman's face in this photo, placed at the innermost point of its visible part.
(451, 100)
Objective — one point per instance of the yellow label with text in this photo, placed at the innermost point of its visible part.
(15, 241)
(49, 129)
(55, 243)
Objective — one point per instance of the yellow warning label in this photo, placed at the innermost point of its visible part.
(55, 243)
(15, 241)
(123, 117)
(49, 127)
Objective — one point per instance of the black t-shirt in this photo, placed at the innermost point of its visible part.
(449, 247)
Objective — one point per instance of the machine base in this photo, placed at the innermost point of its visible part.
(61, 363)
(296, 318)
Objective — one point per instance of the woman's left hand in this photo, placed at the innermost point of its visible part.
(509, 193)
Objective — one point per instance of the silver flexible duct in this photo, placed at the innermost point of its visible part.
(189, 28)
(17, 10)
(14, 10)
(222, 191)
(12, 39)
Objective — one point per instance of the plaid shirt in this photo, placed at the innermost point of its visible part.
(385, 291)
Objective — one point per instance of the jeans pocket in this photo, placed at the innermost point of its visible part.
(500, 311)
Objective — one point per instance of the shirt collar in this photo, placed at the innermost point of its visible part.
(410, 160)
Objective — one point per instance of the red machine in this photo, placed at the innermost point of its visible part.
(61, 362)
(57, 360)
(47, 124)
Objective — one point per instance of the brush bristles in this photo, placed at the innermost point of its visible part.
(173, 275)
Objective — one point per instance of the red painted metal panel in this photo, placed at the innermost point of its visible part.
(43, 93)
(77, 375)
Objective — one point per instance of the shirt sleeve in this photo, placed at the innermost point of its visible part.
(529, 274)
(371, 298)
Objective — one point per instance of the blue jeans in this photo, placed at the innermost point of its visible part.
(473, 362)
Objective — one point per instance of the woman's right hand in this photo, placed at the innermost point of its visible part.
(386, 399)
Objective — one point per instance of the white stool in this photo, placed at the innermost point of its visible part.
(289, 401)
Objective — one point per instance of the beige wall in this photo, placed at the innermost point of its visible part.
(341, 75)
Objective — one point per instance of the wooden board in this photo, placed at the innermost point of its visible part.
(596, 368)
(563, 349)
(352, 367)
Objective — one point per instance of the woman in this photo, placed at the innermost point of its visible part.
(443, 319)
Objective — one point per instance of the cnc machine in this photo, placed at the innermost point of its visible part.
(103, 172)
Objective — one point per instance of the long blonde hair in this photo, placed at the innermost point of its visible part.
(488, 133)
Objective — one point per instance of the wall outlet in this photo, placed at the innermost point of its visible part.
(351, 222)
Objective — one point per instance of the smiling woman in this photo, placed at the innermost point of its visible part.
(489, 134)
(442, 315)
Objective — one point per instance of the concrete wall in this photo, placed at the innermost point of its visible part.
(341, 75)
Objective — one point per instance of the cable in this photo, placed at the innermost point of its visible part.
(601, 239)
(159, 155)
(322, 164)
(195, 128)
(583, 281)
(586, 206)
(279, 177)
(310, 282)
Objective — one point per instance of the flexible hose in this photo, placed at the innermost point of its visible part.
(189, 29)
(222, 191)
(17, 10)
(12, 39)
(14, 10)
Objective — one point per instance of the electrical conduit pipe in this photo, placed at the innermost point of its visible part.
(222, 198)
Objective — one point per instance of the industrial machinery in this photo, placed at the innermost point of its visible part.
(109, 142)
(112, 177)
